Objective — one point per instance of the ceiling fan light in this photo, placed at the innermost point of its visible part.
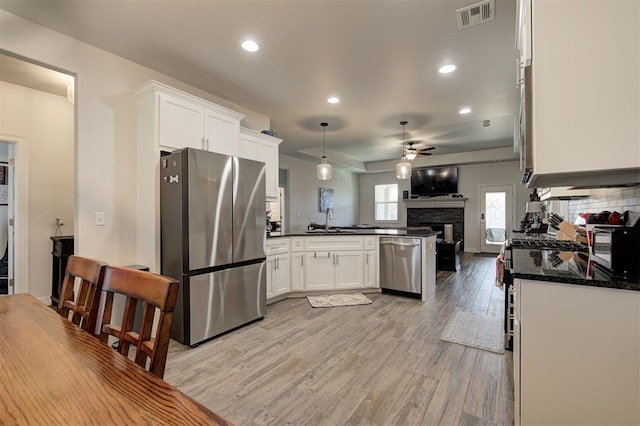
(411, 154)
(324, 170)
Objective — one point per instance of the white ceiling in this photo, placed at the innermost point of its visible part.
(380, 57)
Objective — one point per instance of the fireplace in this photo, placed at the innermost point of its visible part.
(436, 218)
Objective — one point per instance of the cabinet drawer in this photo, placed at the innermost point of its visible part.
(370, 243)
(297, 244)
(333, 243)
(277, 246)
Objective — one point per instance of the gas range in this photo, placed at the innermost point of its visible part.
(556, 255)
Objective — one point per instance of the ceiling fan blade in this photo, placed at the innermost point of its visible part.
(429, 148)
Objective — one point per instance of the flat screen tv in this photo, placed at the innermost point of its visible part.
(432, 181)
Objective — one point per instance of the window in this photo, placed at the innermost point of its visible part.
(386, 202)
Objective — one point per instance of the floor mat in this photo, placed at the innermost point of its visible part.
(476, 331)
(338, 300)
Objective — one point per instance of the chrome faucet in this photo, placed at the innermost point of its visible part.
(328, 216)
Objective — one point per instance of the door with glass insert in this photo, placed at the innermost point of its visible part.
(496, 211)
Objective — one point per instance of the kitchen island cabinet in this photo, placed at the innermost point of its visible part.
(334, 262)
(576, 354)
(277, 267)
(330, 262)
(585, 59)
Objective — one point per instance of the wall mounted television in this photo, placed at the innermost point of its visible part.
(433, 181)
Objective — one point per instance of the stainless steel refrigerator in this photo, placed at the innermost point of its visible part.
(213, 234)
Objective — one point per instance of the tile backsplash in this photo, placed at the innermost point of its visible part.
(610, 199)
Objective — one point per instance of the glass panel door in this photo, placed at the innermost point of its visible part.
(495, 216)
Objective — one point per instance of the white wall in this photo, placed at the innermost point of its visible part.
(304, 191)
(105, 138)
(470, 178)
(45, 121)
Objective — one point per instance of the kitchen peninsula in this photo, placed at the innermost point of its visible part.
(338, 259)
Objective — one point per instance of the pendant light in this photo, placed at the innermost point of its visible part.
(324, 169)
(403, 168)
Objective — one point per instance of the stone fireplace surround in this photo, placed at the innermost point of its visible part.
(436, 218)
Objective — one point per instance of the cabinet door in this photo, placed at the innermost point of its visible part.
(319, 266)
(281, 276)
(249, 148)
(297, 271)
(222, 134)
(271, 265)
(348, 269)
(181, 124)
(269, 154)
(370, 268)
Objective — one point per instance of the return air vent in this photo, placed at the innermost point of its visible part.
(476, 14)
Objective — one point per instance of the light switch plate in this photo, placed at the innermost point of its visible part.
(100, 220)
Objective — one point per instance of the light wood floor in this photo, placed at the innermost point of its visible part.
(378, 364)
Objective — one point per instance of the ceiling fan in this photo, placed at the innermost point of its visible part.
(413, 152)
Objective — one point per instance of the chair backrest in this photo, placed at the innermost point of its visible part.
(496, 235)
(155, 292)
(83, 308)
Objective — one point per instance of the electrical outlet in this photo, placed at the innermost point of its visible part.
(100, 219)
(59, 222)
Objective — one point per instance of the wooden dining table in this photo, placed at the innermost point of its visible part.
(53, 372)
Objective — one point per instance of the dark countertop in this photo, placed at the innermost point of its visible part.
(564, 267)
(365, 231)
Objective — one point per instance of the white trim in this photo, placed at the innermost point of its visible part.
(21, 251)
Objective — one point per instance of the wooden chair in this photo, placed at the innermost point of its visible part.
(155, 292)
(84, 307)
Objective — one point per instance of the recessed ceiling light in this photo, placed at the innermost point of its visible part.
(465, 110)
(250, 46)
(333, 100)
(446, 69)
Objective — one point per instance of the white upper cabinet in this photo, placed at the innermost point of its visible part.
(221, 133)
(585, 90)
(523, 31)
(180, 124)
(186, 121)
(257, 146)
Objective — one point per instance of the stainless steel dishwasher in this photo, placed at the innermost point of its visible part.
(401, 264)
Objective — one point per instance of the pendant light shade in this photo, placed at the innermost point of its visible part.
(403, 168)
(323, 170)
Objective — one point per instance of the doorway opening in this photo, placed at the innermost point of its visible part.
(496, 211)
(7, 214)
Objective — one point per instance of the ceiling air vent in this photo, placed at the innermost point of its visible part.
(476, 14)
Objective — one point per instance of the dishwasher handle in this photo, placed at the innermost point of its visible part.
(392, 243)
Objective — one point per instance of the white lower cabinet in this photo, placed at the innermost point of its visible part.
(277, 275)
(370, 269)
(278, 266)
(370, 279)
(332, 270)
(577, 354)
(297, 271)
(319, 271)
(319, 263)
(348, 269)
